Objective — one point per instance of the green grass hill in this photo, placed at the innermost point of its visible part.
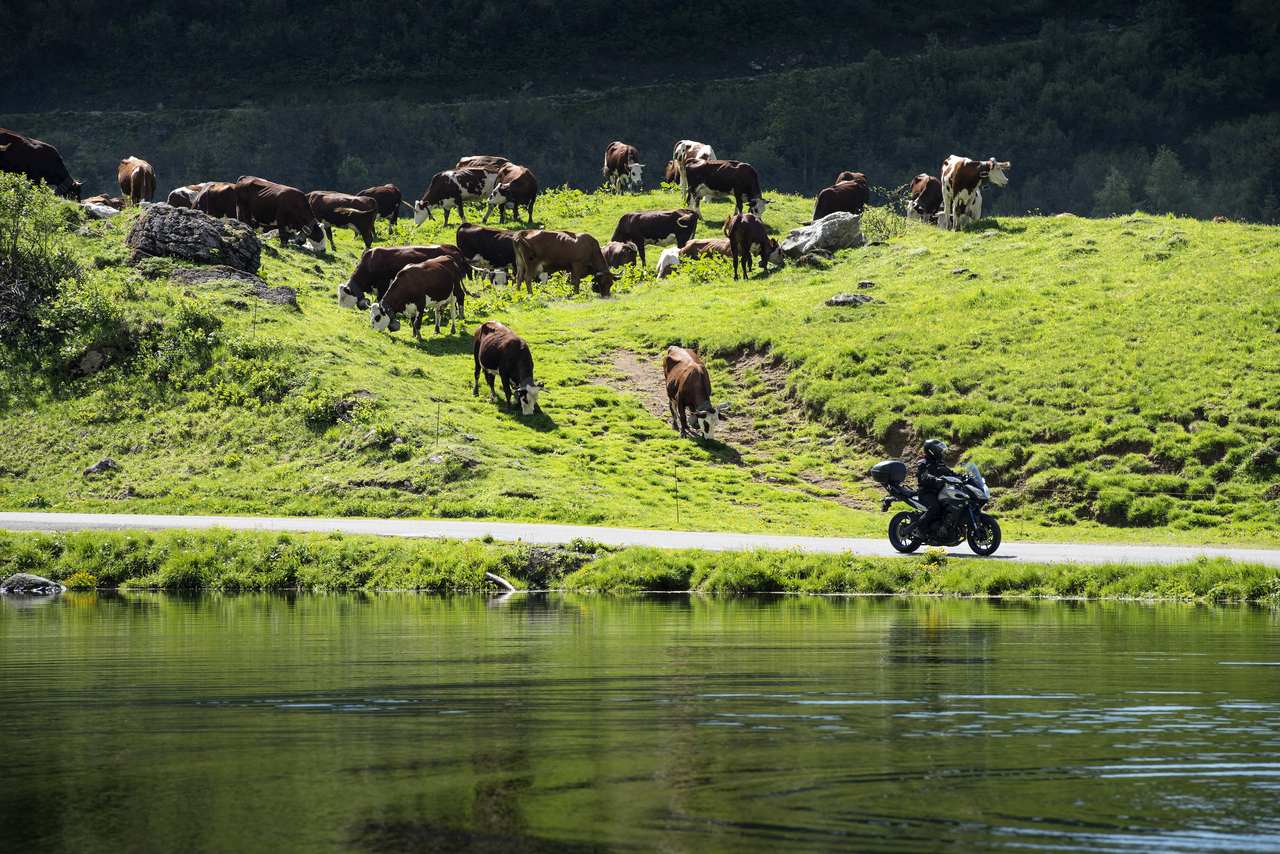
(1115, 379)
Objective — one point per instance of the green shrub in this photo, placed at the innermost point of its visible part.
(80, 580)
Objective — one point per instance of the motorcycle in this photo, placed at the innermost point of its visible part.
(962, 500)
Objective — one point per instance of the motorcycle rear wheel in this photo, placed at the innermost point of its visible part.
(985, 539)
(898, 527)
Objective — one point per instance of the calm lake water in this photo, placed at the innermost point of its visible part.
(147, 722)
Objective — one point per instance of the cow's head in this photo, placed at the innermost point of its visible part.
(758, 206)
(498, 276)
(348, 297)
(774, 255)
(672, 173)
(634, 171)
(382, 320)
(705, 421)
(315, 237)
(602, 282)
(527, 397)
(500, 194)
(996, 171)
(421, 212)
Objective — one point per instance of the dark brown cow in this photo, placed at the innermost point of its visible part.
(39, 161)
(434, 284)
(260, 202)
(137, 180)
(745, 232)
(344, 210)
(487, 162)
(926, 198)
(449, 189)
(622, 166)
(849, 175)
(498, 350)
(378, 266)
(541, 252)
(389, 201)
(723, 177)
(517, 186)
(689, 392)
(494, 246)
(218, 198)
(619, 253)
(654, 226)
(962, 181)
(849, 196)
(185, 197)
(672, 173)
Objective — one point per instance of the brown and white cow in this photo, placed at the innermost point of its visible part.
(449, 189)
(433, 284)
(962, 181)
(137, 180)
(540, 253)
(487, 162)
(850, 196)
(185, 197)
(39, 161)
(498, 351)
(345, 211)
(115, 202)
(746, 232)
(494, 248)
(689, 393)
(260, 202)
(706, 178)
(926, 198)
(619, 253)
(378, 267)
(686, 150)
(643, 227)
(517, 187)
(622, 167)
(217, 199)
(708, 247)
(388, 199)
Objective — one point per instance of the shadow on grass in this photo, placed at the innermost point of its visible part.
(443, 344)
(719, 451)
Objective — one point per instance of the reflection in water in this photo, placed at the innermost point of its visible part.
(572, 723)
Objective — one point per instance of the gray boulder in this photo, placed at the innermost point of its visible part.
(192, 235)
(25, 584)
(835, 231)
(850, 299)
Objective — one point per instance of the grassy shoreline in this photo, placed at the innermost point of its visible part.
(244, 561)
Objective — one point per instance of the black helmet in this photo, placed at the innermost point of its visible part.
(935, 450)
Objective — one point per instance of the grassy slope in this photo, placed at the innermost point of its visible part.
(234, 561)
(1085, 363)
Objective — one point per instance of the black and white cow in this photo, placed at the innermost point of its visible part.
(449, 189)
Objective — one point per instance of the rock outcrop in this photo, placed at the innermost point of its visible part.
(835, 231)
(25, 584)
(192, 235)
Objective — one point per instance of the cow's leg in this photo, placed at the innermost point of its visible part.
(328, 232)
(575, 277)
(506, 386)
(454, 310)
(733, 253)
(671, 405)
(416, 323)
(487, 210)
(684, 420)
(475, 380)
(764, 258)
(531, 212)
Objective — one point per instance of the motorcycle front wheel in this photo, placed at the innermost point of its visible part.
(899, 525)
(985, 538)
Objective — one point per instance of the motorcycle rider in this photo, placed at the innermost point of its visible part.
(931, 474)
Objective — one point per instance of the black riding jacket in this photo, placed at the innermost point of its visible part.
(929, 475)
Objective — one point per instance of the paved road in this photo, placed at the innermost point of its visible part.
(544, 534)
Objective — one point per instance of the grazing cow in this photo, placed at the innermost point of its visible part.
(494, 247)
(619, 253)
(185, 197)
(694, 249)
(498, 350)
(379, 266)
(487, 162)
(539, 252)
(449, 189)
(106, 201)
(729, 177)
(672, 173)
(260, 202)
(745, 232)
(622, 166)
(137, 180)
(689, 391)
(435, 284)
(517, 186)
(39, 161)
(389, 200)
(926, 198)
(850, 175)
(850, 196)
(962, 181)
(686, 150)
(342, 209)
(218, 199)
(655, 226)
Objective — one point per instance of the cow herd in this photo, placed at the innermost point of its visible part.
(408, 281)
